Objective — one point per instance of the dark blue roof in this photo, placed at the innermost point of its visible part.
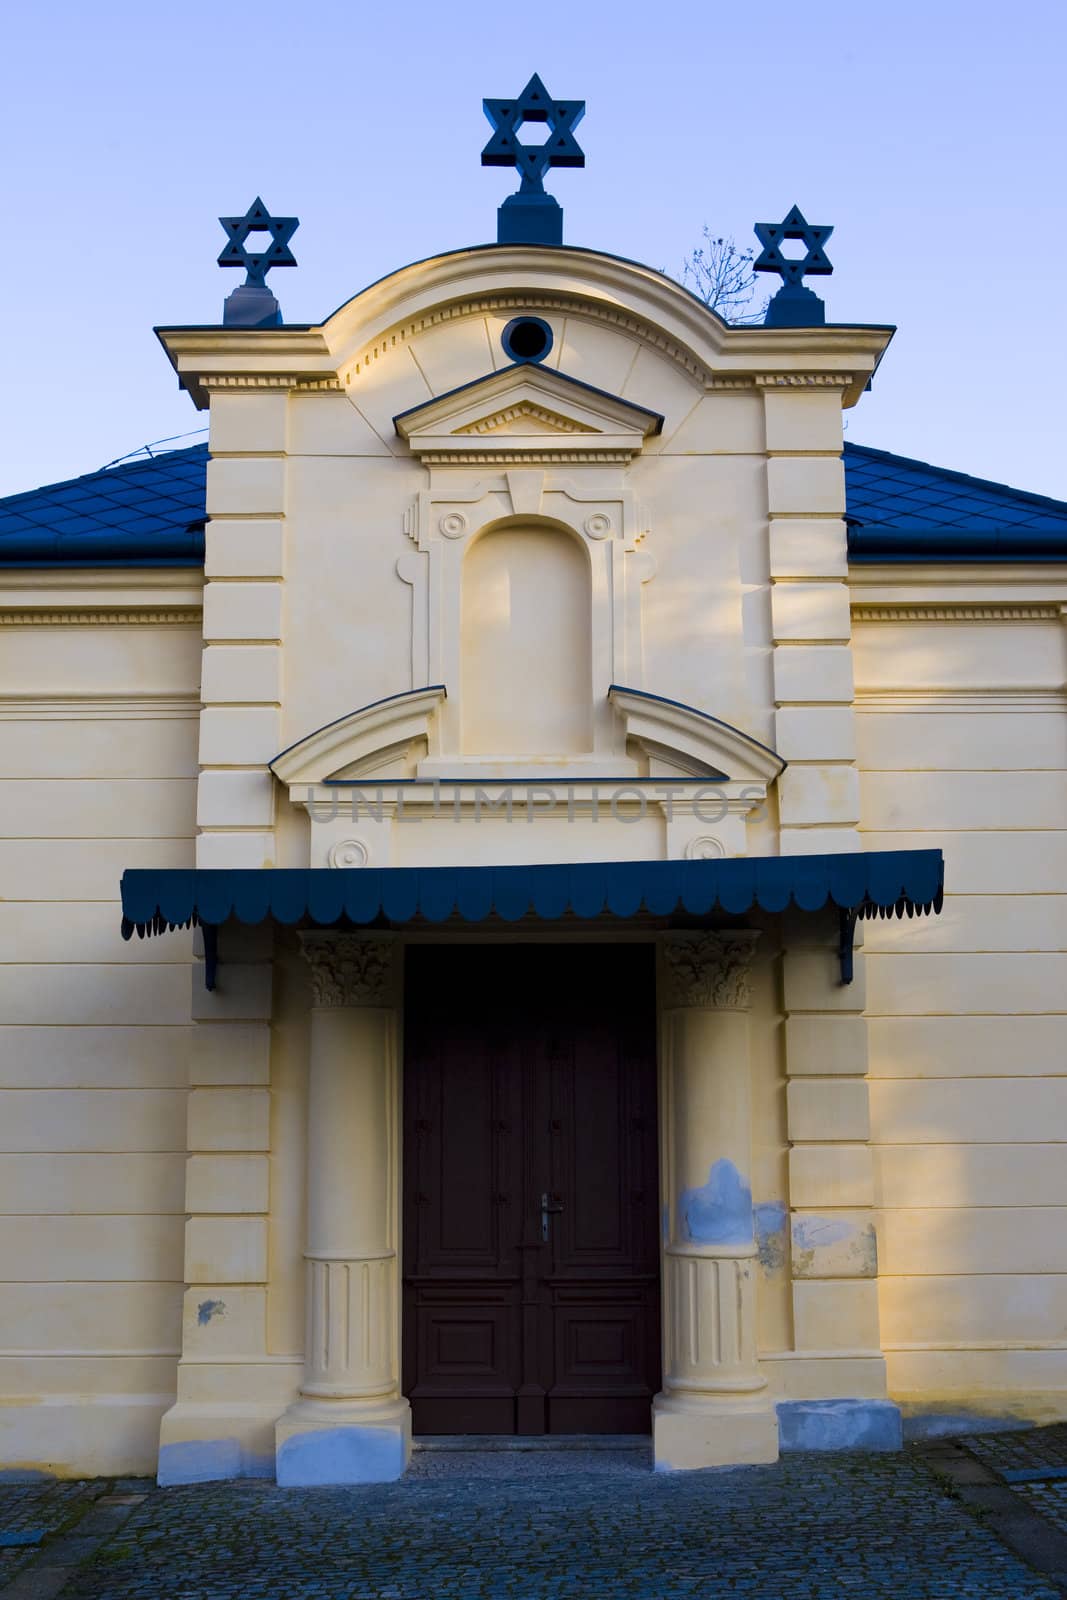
(905, 510)
(151, 513)
(141, 514)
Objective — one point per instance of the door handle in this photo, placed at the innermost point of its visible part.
(548, 1210)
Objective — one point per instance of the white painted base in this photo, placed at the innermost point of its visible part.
(208, 1442)
(319, 1442)
(839, 1425)
(689, 1434)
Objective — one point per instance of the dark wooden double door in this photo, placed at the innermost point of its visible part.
(531, 1256)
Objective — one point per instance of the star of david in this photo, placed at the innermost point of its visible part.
(772, 236)
(534, 104)
(257, 263)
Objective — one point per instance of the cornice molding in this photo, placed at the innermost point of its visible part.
(802, 380)
(254, 381)
(958, 611)
(72, 580)
(528, 455)
(973, 580)
(98, 707)
(1024, 698)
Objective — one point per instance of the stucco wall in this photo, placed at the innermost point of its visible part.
(963, 743)
(98, 761)
(334, 578)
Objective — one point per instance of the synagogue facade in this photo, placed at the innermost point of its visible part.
(533, 898)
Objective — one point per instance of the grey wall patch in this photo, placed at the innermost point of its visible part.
(834, 1247)
(208, 1309)
(770, 1217)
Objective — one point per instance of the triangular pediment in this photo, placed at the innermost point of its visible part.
(526, 409)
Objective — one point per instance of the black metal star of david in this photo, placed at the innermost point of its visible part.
(257, 263)
(534, 104)
(772, 236)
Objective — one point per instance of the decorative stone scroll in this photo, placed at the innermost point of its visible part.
(351, 969)
(709, 969)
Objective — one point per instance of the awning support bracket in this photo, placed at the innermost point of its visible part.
(846, 924)
(211, 953)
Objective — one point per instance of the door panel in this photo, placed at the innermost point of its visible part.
(530, 1072)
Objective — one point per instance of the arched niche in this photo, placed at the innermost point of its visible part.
(526, 649)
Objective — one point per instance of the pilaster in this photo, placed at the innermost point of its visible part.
(818, 794)
(714, 1409)
(351, 1423)
(244, 570)
(230, 1389)
(831, 1183)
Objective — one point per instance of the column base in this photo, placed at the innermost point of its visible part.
(689, 1433)
(344, 1441)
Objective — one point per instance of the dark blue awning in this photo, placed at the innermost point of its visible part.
(875, 883)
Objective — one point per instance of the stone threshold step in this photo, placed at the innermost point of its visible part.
(481, 1442)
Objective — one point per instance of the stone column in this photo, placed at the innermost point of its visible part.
(351, 1424)
(714, 1409)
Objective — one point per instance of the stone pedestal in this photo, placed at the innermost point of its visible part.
(351, 1424)
(714, 1409)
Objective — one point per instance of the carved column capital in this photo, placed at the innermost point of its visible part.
(706, 969)
(351, 969)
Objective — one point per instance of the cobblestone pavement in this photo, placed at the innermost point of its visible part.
(544, 1526)
(1050, 1499)
(1017, 1457)
(32, 1513)
(1034, 1463)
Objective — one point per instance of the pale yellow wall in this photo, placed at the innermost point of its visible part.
(98, 764)
(962, 737)
(931, 1090)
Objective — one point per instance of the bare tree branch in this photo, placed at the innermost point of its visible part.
(720, 273)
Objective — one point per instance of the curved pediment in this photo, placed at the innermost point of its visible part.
(390, 738)
(603, 291)
(381, 740)
(680, 738)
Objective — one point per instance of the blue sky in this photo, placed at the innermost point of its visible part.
(932, 137)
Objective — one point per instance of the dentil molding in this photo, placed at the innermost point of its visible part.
(147, 617)
(959, 611)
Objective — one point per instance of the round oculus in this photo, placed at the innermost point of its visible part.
(527, 339)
